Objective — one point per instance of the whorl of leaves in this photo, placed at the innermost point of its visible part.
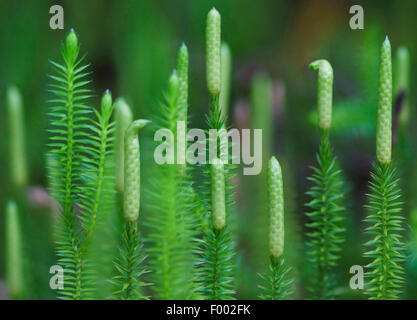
(171, 219)
(80, 150)
(278, 285)
(128, 265)
(326, 232)
(384, 274)
(218, 265)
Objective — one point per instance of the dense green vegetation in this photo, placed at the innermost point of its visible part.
(79, 186)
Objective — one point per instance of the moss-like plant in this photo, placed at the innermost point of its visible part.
(278, 285)
(79, 148)
(326, 232)
(128, 265)
(218, 252)
(384, 272)
(172, 221)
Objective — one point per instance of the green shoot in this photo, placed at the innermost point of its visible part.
(128, 265)
(218, 249)
(326, 233)
(384, 272)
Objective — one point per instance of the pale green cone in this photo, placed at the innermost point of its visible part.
(401, 78)
(17, 154)
(123, 118)
(131, 196)
(384, 120)
(218, 203)
(14, 254)
(325, 92)
(182, 69)
(226, 71)
(213, 30)
(276, 208)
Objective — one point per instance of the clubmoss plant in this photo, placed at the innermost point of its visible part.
(129, 263)
(15, 276)
(384, 273)
(98, 187)
(69, 97)
(277, 286)
(172, 221)
(17, 154)
(326, 233)
(80, 147)
(218, 248)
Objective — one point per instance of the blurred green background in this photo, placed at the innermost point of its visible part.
(132, 49)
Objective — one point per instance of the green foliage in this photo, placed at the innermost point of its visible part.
(278, 285)
(218, 257)
(218, 265)
(79, 150)
(326, 232)
(129, 265)
(171, 221)
(217, 250)
(385, 271)
(190, 210)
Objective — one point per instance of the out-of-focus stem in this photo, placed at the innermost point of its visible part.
(17, 154)
(14, 258)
